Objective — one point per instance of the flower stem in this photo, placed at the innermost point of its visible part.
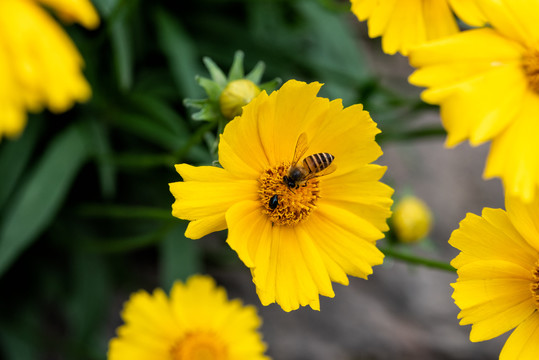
(412, 259)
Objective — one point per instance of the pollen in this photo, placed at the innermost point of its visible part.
(534, 286)
(530, 65)
(291, 206)
(199, 346)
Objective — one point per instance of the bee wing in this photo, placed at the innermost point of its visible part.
(330, 169)
(301, 147)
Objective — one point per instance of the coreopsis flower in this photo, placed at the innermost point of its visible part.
(197, 322)
(486, 83)
(405, 24)
(39, 64)
(296, 230)
(411, 219)
(498, 285)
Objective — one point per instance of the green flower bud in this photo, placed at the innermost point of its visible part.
(235, 96)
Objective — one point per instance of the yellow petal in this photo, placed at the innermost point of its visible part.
(246, 224)
(276, 279)
(494, 269)
(479, 44)
(380, 17)
(516, 19)
(298, 101)
(523, 344)
(149, 328)
(501, 322)
(44, 62)
(361, 193)
(207, 199)
(406, 27)
(352, 137)
(524, 217)
(75, 10)
(204, 226)
(490, 237)
(494, 296)
(491, 292)
(12, 111)
(514, 153)
(440, 21)
(340, 245)
(480, 109)
(363, 8)
(468, 11)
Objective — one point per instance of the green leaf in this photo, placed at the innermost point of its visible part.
(216, 73)
(19, 341)
(106, 7)
(124, 212)
(159, 110)
(147, 128)
(179, 256)
(180, 51)
(89, 300)
(271, 85)
(100, 147)
(14, 155)
(212, 88)
(128, 243)
(236, 70)
(122, 47)
(142, 160)
(40, 197)
(255, 75)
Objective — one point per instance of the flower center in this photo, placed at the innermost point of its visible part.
(199, 346)
(285, 206)
(534, 286)
(530, 64)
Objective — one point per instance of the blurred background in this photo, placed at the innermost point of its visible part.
(85, 206)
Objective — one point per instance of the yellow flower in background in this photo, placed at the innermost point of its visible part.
(487, 85)
(39, 64)
(411, 220)
(296, 240)
(498, 285)
(197, 322)
(405, 24)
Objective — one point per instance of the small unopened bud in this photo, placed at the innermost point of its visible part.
(411, 219)
(235, 96)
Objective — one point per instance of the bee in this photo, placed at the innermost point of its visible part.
(312, 166)
(274, 202)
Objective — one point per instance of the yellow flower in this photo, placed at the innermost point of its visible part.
(295, 240)
(39, 64)
(498, 285)
(405, 24)
(198, 322)
(486, 83)
(411, 219)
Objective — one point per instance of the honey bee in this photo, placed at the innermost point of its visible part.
(312, 166)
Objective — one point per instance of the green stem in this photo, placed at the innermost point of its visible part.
(194, 140)
(440, 265)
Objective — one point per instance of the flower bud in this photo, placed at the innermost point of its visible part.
(237, 94)
(412, 219)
